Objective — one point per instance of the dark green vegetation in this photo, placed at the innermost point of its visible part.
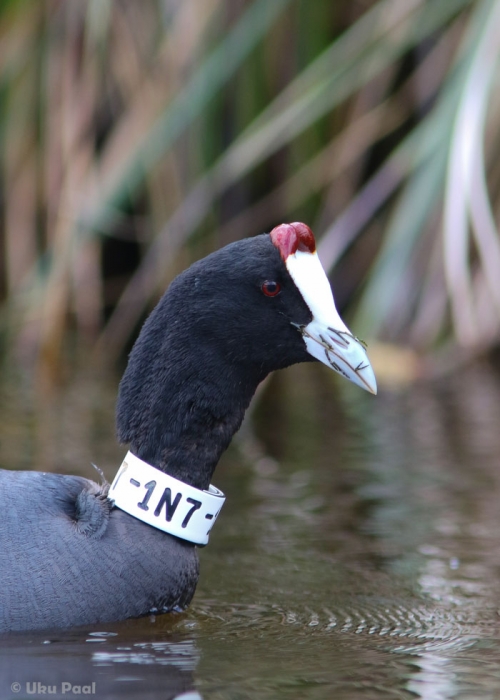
(137, 137)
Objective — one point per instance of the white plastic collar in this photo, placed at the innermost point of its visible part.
(166, 503)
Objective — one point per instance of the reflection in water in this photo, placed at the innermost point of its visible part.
(357, 556)
(65, 664)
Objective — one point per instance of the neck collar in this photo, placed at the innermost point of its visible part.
(161, 501)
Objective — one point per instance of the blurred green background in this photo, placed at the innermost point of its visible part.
(137, 137)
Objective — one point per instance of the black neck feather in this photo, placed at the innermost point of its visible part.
(201, 354)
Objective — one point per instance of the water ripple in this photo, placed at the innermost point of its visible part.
(430, 626)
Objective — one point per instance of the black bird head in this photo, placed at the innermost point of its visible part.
(255, 306)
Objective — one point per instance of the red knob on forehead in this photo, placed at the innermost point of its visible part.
(289, 238)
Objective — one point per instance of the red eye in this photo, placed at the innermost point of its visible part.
(271, 289)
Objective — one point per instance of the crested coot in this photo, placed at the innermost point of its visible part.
(74, 552)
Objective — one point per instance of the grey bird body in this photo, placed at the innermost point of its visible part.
(71, 559)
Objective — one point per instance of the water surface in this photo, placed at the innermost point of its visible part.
(357, 556)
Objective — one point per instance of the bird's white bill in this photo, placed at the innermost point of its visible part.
(341, 351)
(327, 337)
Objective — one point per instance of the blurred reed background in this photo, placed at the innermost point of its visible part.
(139, 136)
